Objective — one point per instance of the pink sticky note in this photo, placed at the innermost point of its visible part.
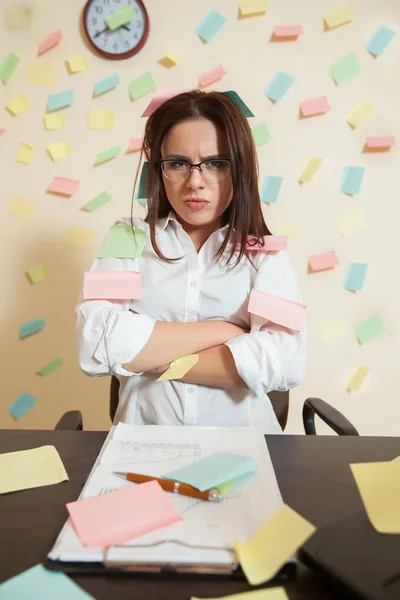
(116, 517)
(211, 76)
(272, 243)
(325, 260)
(135, 144)
(112, 285)
(287, 30)
(50, 41)
(2, 131)
(64, 186)
(278, 310)
(384, 141)
(314, 106)
(161, 96)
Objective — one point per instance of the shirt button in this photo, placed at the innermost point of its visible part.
(190, 390)
(193, 283)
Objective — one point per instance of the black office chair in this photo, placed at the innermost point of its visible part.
(279, 400)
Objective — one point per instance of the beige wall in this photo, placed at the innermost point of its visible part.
(243, 48)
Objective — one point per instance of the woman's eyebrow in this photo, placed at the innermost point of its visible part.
(181, 157)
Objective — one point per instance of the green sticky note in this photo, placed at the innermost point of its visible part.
(141, 86)
(107, 154)
(237, 100)
(142, 183)
(97, 201)
(120, 17)
(122, 242)
(30, 328)
(51, 366)
(369, 329)
(8, 66)
(261, 134)
(345, 69)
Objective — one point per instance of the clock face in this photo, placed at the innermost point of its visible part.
(123, 42)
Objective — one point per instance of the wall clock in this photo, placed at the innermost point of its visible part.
(122, 42)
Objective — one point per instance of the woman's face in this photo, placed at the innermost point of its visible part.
(194, 141)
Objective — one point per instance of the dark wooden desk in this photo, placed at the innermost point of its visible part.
(312, 472)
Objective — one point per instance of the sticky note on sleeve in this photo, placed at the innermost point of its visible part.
(281, 311)
(179, 367)
(210, 26)
(112, 285)
(29, 469)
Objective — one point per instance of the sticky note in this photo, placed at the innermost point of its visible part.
(50, 367)
(18, 17)
(106, 84)
(168, 61)
(101, 118)
(29, 469)
(30, 328)
(210, 77)
(272, 243)
(314, 106)
(331, 329)
(210, 26)
(279, 86)
(107, 154)
(369, 329)
(8, 66)
(379, 487)
(309, 170)
(25, 153)
(21, 208)
(41, 74)
(52, 584)
(275, 593)
(124, 514)
(350, 222)
(159, 97)
(357, 378)
(22, 405)
(363, 110)
(213, 470)
(77, 64)
(38, 273)
(237, 100)
(122, 242)
(97, 201)
(262, 556)
(355, 276)
(142, 191)
(2, 131)
(79, 238)
(119, 17)
(54, 121)
(135, 144)
(339, 16)
(252, 8)
(261, 134)
(18, 105)
(63, 186)
(323, 261)
(50, 41)
(281, 311)
(380, 40)
(287, 31)
(270, 189)
(112, 285)
(351, 180)
(377, 142)
(59, 150)
(345, 69)
(60, 100)
(141, 86)
(179, 367)
(289, 229)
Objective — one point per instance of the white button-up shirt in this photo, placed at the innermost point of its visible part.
(111, 333)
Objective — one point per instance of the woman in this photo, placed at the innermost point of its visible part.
(196, 279)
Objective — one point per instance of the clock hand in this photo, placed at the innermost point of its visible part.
(109, 30)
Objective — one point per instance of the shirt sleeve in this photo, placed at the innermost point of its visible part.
(108, 334)
(271, 357)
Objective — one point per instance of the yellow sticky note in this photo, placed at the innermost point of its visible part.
(41, 74)
(38, 273)
(18, 105)
(58, 150)
(363, 110)
(339, 16)
(77, 64)
(169, 60)
(379, 487)
(275, 593)
(25, 153)
(54, 121)
(21, 208)
(309, 170)
(288, 228)
(357, 378)
(331, 329)
(350, 222)
(18, 17)
(79, 238)
(179, 367)
(101, 118)
(266, 552)
(29, 469)
(248, 8)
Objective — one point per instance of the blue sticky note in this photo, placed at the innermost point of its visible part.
(42, 583)
(355, 276)
(31, 327)
(279, 86)
(270, 189)
(214, 470)
(60, 100)
(351, 180)
(380, 39)
(105, 85)
(21, 405)
(210, 26)
(142, 183)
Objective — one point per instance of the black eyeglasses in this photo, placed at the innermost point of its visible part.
(211, 169)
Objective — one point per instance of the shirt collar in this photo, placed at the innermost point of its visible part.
(162, 223)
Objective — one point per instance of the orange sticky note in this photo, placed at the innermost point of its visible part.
(63, 186)
(211, 76)
(278, 310)
(112, 285)
(50, 41)
(325, 260)
(159, 97)
(135, 144)
(314, 106)
(282, 31)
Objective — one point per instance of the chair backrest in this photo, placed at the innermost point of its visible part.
(279, 401)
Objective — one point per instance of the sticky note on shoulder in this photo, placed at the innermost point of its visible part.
(28, 469)
(123, 242)
(179, 367)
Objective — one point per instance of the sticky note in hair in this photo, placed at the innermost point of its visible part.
(97, 202)
(363, 110)
(310, 169)
(8, 66)
(339, 16)
(281, 311)
(314, 106)
(252, 8)
(369, 329)
(351, 180)
(112, 285)
(18, 16)
(135, 144)
(21, 208)
(25, 153)
(105, 85)
(323, 261)
(161, 96)
(350, 222)
(237, 100)
(54, 121)
(18, 105)
(279, 86)
(107, 155)
(79, 238)
(380, 142)
(59, 150)
(60, 100)
(210, 26)
(270, 189)
(345, 69)
(141, 86)
(331, 329)
(101, 118)
(30, 328)
(272, 243)
(179, 367)
(355, 276)
(142, 192)
(38, 273)
(357, 379)
(210, 77)
(287, 31)
(261, 134)
(378, 42)
(63, 186)
(22, 405)
(50, 41)
(41, 74)
(119, 17)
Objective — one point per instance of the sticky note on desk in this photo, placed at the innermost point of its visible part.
(21, 405)
(210, 26)
(124, 514)
(278, 310)
(106, 84)
(141, 86)
(179, 367)
(112, 285)
(123, 242)
(355, 276)
(369, 329)
(30, 328)
(60, 100)
(339, 16)
(50, 41)
(279, 86)
(8, 66)
(275, 593)
(345, 69)
(41, 74)
(267, 551)
(380, 39)
(261, 134)
(119, 17)
(101, 118)
(252, 8)
(352, 179)
(271, 188)
(18, 105)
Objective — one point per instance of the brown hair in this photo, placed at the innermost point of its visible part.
(244, 215)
